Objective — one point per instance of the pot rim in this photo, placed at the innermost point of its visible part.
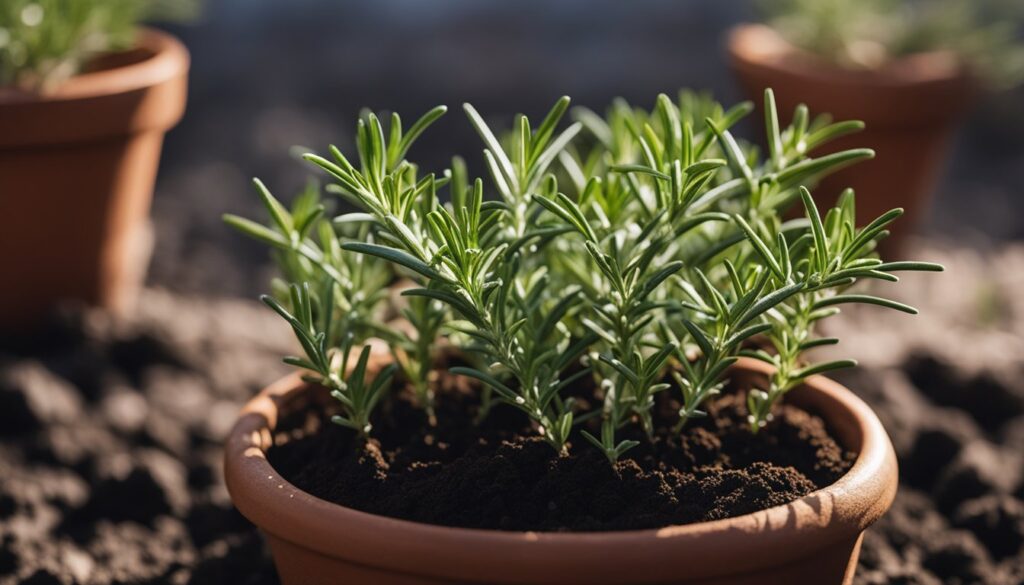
(168, 59)
(780, 534)
(760, 46)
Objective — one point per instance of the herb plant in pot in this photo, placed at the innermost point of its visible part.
(594, 374)
(85, 99)
(909, 69)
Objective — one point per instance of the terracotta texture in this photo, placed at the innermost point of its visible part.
(911, 108)
(813, 540)
(77, 167)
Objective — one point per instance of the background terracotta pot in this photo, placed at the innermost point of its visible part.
(911, 108)
(813, 540)
(77, 168)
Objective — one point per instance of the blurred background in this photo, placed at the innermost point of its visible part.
(112, 425)
(267, 75)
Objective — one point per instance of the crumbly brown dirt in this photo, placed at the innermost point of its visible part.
(501, 475)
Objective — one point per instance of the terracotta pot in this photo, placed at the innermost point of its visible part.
(814, 540)
(911, 108)
(77, 167)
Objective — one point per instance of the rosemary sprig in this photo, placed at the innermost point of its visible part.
(308, 250)
(466, 262)
(826, 260)
(350, 387)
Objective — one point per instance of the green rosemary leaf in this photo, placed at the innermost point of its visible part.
(502, 162)
(593, 440)
(640, 169)
(817, 229)
(256, 231)
(277, 211)
(505, 392)
(769, 302)
(823, 367)
(622, 368)
(771, 120)
(868, 299)
(759, 355)
(349, 218)
(760, 247)
(547, 127)
(698, 220)
(915, 266)
(831, 132)
(394, 255)
(699, 337)
(874, 230)
(733, 153)
(715, 372)
(810, 344)
(735, 114)
(458, 303)
(541, 163)
(417, 129)
(747, 333)
(653, 281)
(299, 363)
(805, 170)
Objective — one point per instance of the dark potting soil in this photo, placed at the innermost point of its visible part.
(501, 475)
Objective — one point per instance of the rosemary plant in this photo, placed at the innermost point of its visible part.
(469, 257)
(661, 264)
(358, 395)
(340, 315)
(822, 264)
(44, 42)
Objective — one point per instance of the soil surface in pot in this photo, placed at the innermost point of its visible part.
(501, 475)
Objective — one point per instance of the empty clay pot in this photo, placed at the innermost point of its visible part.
(911, 108)
(815, 539)
(77, 167)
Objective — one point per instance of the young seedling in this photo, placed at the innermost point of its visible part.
(395, 206)
(307, 249)
(828, 259)
(357, 394)
(622, 310)
(469, 259)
